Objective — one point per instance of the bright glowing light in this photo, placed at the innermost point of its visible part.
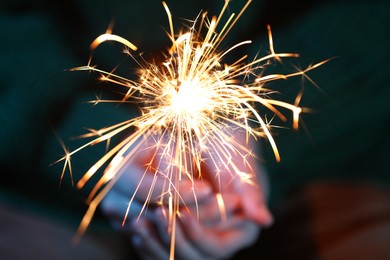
(190, 100)
(189, 104)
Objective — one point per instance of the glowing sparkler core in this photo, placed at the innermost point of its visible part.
(190, 100)
(191, 103)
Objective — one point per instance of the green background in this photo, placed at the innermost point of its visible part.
(345, 138)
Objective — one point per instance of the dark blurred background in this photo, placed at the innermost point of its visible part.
(334, 176)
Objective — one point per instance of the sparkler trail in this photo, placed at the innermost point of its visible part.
(189, 105)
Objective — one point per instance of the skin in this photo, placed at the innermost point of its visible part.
(207, 235)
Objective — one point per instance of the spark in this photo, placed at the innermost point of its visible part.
(190, 105)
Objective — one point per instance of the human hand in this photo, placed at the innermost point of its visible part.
(218, 233)
(212, 235)
(208, 237)
(139, 187)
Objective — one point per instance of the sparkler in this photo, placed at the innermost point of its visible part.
(188, 104)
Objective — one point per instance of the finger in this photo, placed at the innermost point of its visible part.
(149, 187)
(183, 248)
(223, 241)
(146, 243)
(116, 206)
(210, 212)
(253, 203)
(242, 176)
(251, 198)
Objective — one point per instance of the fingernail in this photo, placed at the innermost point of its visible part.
(267, 218)
(202, 188)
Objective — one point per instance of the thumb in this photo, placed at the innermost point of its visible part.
(257, 211)
(253, 202)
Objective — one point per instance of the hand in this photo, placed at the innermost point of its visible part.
(212, 235)
(209, 237)
(139, 187)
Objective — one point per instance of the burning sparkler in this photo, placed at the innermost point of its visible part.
(188, 104)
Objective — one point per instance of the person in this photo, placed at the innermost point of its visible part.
(328, 195)
(203, 230)
(56, 54)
